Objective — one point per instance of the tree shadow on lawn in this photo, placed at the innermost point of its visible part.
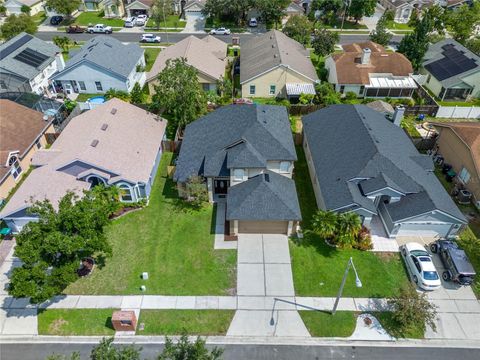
(315, 241)
(170, 193)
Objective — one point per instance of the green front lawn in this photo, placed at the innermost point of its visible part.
(39, 17)
(192, 322)
(475, 102)
(172, 21)
(66, 322)
(150, 57)
(347, 25)
(93, 17)
(82, 97)
(324, 324)
(392, 25)
(318, 268)
(168, 239)
(409, 124)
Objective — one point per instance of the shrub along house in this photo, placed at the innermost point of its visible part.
(367, 70)
(246, 154)
(360, 161)
(115, 144)
(101, 64)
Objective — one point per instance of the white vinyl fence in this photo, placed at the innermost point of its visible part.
(471, 112)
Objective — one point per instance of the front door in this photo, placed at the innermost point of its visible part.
(221, 186)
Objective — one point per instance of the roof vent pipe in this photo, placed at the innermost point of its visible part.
(366, 56)
(398, 115)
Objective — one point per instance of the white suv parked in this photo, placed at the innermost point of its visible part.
(150, 38)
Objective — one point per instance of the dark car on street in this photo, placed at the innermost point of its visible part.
(56, 20)
(457, 266)
(75, 29)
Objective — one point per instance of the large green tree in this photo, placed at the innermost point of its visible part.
(324, 41)
(15, 24)
(360, 8)
(234, 10)
(415, 45)
(178, 93)
(463, 20)
(51, 248)
(299, 28)
(272, 11)
(381, 35)
(64, 7)
(159, 11)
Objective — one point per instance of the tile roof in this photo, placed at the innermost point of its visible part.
(11, 48)
(127, 148)
(121, 58)
(235, 135)
(350, 70)
(207, 55)
(20, 126)
(369, 146)
(264, 197)
(271, 50)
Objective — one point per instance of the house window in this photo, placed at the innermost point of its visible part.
(252, 89)
(284, 166)
(15, 168)
(464, 175)
(125, 193)
(206, 87)
(3, 85)
(82, 85)
(238, 174)
(37, 144)
(98, 84)
(342, 89)
(273, 89)
(362, 89)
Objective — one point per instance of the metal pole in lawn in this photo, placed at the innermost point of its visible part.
(358, 283)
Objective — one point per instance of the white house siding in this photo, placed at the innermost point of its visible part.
(15, 7)
(149, 185)
(40, 83)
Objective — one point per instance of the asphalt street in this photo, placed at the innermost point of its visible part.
(252, 352)
(176, 37)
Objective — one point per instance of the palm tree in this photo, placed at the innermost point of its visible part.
(325, 223)
(349, 226)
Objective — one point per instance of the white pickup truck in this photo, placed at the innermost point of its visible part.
(99, 28)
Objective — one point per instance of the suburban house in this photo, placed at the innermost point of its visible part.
(15, 6)
(91, 70)
(138, 7)
(459, 144)
(207, 55)
(27, 63)
(364, 163)
(193, 7)
(246, 154)
(112, 8)
(274, 65)
(23, 132)
(293, 9)
(367, 70)
(116, 144)
(403, 9)
(453, 71)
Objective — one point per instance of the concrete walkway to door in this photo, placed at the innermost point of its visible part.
(264, 272)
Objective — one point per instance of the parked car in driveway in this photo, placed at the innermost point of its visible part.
(56, 20)
(420, 266)
(457, 266)
(130, 22)
(220, 31)
(141, 20)
(253, 22)
(75, 29)
(150, 38)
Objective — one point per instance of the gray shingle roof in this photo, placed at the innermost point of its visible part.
(270, 50)
(267, 196)
(11, 65)
(235, 135)
(107, 53)
(352, 143)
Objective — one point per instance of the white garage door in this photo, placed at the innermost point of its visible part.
(409, 229)
(262, 227)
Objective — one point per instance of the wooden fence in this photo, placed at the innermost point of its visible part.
(297, 109)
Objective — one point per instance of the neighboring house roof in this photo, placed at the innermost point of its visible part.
(350, 70)
(271, 50)
(190, 3)
(381, 106)
(106, 53)
(26, 56)
(449, 62)
(276, 194)
(207, 55)
(363, 149)
(469, 133)
(401, 3)
(293, 7)
(235, 135)
(20, 127)
(123, 142)
(24, 2)
(146, 3)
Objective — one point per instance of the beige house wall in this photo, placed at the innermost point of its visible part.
(9, 182)
(202, 79)
(456, 153)
(278, 77)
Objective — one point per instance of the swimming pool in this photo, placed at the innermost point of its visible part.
(96, 100)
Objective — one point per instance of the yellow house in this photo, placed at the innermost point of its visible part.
(22, 133)
(274, 65)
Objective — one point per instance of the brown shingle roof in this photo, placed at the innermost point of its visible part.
(20, 126)
(351, 71)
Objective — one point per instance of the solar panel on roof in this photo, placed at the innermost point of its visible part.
(454, 62)
(15, 45)
(31, 57)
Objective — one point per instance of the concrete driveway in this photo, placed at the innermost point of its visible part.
(195, 23)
